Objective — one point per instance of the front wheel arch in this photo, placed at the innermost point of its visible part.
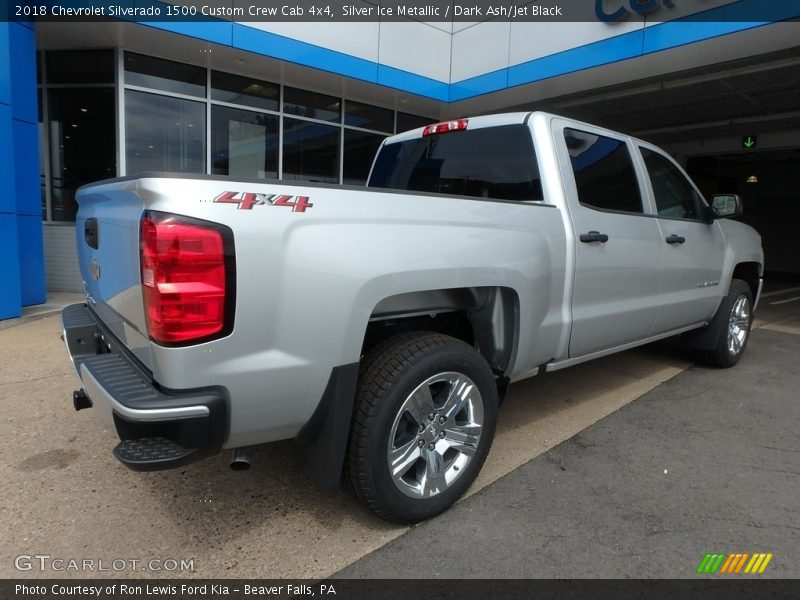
(722, 343)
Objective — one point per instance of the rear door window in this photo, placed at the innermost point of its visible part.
(491, 162)
(604, 173)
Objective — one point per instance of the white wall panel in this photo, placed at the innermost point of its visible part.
(417, 48)
(531, 40)
(480, 49)
(356, 39)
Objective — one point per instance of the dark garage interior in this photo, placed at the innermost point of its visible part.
(703, 117)
(768, 184)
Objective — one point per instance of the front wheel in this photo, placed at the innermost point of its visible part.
(423, 424)
(732, 325)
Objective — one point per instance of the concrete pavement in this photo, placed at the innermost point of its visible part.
(64, 495)
(706, 462)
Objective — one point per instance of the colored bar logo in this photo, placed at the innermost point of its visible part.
(734, 564)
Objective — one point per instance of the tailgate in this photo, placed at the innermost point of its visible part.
(107, 230)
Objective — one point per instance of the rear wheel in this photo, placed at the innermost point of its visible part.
(732, 324)
(423, 424)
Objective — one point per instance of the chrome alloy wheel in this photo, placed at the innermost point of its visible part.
(738, 325)
(435, 434)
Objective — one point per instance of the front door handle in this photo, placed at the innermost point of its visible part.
(675, 239)
(594, 236)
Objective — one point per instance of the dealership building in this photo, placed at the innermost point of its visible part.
(312, 100)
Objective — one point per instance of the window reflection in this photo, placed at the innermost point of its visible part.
(407, 122)
(243, 90)
(164, 134)
(368, 117)
(82, 143)
(310, 151)
(243, 143)
(359, 151)
(165, 75)
(312, 105)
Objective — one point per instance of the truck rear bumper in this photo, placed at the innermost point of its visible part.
(158, 428)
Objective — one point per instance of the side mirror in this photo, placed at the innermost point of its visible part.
(727, 205)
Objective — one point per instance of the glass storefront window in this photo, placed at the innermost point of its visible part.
(82, 143)
(243, 143)
(191, 119)
(407, 122)
(310, 151)
(164, 134)
(359, 151)
(312, 105)
(164, 75)
(368, 117)
(243, 90)
(80, 66)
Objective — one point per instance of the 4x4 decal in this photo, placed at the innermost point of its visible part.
(247, 200)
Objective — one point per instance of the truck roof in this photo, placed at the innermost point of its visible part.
(474, 123)
(497, 120)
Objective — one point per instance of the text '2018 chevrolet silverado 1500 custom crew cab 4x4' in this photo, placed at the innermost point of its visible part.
(380, 326)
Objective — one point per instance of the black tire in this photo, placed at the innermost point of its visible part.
(433, 366)
(725, 352)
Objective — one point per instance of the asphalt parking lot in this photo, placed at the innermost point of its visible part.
(630, 466)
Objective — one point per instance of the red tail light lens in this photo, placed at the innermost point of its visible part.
(457, 125)
(186, 282)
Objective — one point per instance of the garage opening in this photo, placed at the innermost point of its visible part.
(769, 184)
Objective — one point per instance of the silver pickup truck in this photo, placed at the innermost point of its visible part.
(381, 326)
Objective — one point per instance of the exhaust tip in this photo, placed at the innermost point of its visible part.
(240, 462)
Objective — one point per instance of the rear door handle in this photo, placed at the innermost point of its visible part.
(594, 236)
(675, 239)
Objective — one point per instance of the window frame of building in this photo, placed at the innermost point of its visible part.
(120, 85)
(43, 87)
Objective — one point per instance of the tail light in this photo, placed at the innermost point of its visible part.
(456, 125)
(187, 278)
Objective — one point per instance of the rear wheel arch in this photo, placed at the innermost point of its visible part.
(484, 317)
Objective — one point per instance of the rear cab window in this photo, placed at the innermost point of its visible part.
(491, 162)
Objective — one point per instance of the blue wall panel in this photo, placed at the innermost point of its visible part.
(22, 279)
(5, 65)
(8, 201)
(9, 269)
(26, 168)
(22, 41)
(30, 243)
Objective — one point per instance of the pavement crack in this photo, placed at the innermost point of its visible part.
(780, 449)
